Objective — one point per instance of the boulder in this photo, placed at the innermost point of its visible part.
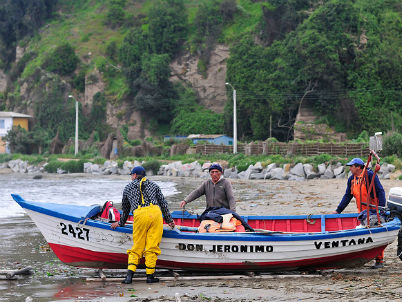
(278, 174)
(309, 171)
(339, 170)
(328, 174)
(257, 176)
(321, 169)
(298, 170)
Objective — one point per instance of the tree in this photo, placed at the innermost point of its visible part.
(62, 60)
(18, 19)
(167, 26)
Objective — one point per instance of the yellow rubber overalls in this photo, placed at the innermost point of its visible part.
(147, 234)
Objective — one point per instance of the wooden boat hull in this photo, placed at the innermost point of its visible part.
(79, 241)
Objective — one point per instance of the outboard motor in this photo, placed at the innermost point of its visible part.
(394, 203)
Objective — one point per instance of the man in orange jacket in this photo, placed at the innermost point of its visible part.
(357, 188)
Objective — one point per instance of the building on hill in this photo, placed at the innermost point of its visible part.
(216, 139)
(8, 120)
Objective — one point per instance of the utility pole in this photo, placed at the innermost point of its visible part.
(76, 124)
(234, 120)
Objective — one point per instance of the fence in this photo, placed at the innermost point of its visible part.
(310, 149)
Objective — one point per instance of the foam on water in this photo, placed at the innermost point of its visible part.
(72, 190)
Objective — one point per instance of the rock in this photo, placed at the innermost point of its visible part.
(95, 169)
(271, 166)
(342, 175)
(257, 176)
(339, 170)
(328, 174)
(206, 166)
(321, 169)
(286, 168)
(257, 167)
(267, 175)
(61, 171)
(308, 170)
(87, 167)
(295, 177)
(231, 173)
(298, 170)
(243, 175)
(278, 174)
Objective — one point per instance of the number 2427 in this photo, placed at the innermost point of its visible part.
(76, 232)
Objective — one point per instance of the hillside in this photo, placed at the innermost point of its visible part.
(143, 68)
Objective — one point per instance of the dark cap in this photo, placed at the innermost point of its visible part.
(215, 167)
(355, 161)
(139, 170)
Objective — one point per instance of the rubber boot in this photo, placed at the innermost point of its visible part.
(151, 278)
(129, 277)
(378, 264)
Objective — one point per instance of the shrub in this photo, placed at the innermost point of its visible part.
(5, 158)
(71, 166)
(392, 144)
(99, 160)
(152, 165)
(393, 160)
(62, 60)
(322, 158)
(52, 166)
(363, 137)
(78, 81)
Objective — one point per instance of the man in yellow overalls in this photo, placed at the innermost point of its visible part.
(357, 187)
(147, 202)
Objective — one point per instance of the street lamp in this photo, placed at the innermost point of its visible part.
(234, 119)
(76, 124)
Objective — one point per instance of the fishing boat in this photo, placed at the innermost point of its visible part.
(279, 243)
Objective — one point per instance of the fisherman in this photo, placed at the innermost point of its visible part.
(217, 190)
(146, 200)
(357, 188)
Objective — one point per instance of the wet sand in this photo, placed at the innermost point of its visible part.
(54, 281)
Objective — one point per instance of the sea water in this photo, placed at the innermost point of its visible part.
(77, 189)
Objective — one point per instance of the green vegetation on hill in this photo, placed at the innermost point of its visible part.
(342, 58)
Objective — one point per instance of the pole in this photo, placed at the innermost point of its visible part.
(76, 128)
(234, 119)
(270, 126)
(76, 124)
(234, 123)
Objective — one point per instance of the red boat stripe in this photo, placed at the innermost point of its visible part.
(85, 258)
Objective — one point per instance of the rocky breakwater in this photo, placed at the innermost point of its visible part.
(273, 171)
(298, 172)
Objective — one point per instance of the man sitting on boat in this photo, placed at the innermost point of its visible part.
(220, 214)
(357, 187)
(146, 200)
(217, 190)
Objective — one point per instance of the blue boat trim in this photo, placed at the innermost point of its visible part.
(78, 214)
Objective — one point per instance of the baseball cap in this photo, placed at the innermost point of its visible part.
(215, 167)
(355, 161)
(139, 170)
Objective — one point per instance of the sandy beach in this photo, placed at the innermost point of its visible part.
(58, 282)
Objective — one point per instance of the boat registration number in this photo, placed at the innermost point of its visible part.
(76, 232)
